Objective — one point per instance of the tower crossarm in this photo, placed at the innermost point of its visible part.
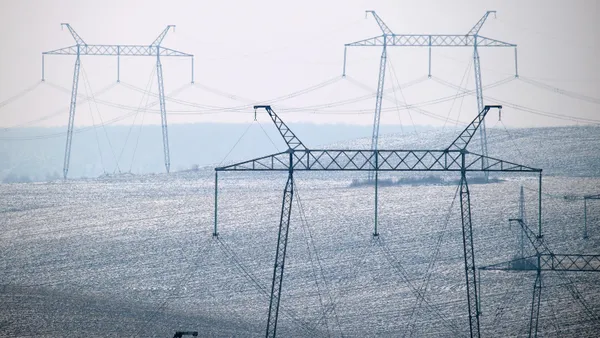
(387, 160)
(430, 40)
(292, 141)
(463, 139)
(479, 24)
(116, 50)
(550, 262)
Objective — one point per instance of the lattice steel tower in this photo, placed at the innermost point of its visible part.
(388, 38)
(82, 48)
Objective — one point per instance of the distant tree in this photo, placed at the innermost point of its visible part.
(10, 178)
(52, 177)
(24, 179)
(13, 177)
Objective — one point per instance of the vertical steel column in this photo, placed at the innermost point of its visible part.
(344, 71)
(585, 234)
(43, 78)
(282, 238)
(516, 65)
(192, 70)
(71, 115)
(479, 95)
(429, 73)
(522, 217)
(469, 254)
(540, 207)
(375, 232)
(118, 64)
(378, 100)
(215, 232)
(163, 110)
(479, 291)
(535, 301)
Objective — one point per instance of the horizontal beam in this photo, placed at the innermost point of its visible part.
(114, 50)
(416, 40)
(551, 262)
(592, 197)
(387, 160)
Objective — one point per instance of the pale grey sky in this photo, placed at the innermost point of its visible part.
(260, 50)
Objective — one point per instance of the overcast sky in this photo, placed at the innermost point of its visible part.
(251, 51)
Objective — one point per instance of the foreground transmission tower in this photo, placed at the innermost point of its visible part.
(82, 48)
(455, 158)
(388, 38)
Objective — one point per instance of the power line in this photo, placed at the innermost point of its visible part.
(564, 92)
(20, 94)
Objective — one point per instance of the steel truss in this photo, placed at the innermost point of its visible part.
(455, 158)
(544, 260)
(389, 39)
(82, 48)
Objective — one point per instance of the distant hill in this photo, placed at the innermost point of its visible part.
(24, 156)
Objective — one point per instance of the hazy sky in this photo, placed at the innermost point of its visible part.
(258, 50)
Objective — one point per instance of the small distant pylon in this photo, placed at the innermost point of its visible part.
(82, 48)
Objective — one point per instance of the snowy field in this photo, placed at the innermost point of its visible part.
(135, 256)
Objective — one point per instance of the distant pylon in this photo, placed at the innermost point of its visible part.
(82, 48)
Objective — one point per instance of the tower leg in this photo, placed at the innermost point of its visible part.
(585, 234)
(378, 99)
(522, 217)
(516, 64)
(118, 64)
(375, 231)
(469, 254)
(535, 303)
(479, 94)
(215, 232)
(282, 238)
(429, 72)
(71, 116)
(163, 112)
(540, 207)
(344, 70)
(192, 70)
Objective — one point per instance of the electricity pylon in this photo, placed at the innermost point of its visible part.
(388, 38)
(544, 260)
(454, 158)
(82, 48)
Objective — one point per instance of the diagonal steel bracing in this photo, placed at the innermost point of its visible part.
(455, 158)
(82, 48)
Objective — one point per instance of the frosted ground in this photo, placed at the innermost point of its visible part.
(134, 256)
